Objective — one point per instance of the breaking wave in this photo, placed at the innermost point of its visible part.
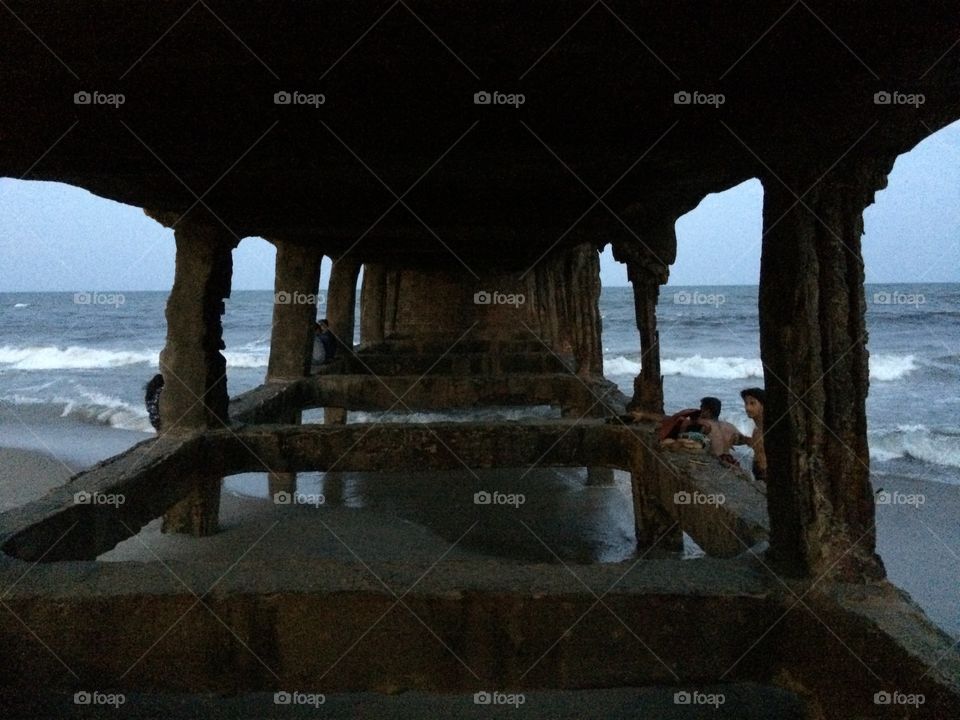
(83, 358)
(918, 442)
(883, 368)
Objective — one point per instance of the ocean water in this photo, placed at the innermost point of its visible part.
(69, 359)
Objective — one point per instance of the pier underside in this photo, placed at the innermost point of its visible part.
(477, 227)
(726, 622)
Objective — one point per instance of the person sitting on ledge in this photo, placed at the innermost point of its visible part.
(753, 402)
(703, 423)
(723, 435)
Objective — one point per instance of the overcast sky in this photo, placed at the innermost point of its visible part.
(57, 237)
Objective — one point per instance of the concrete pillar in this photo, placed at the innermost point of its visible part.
(341, 304)
(813, 346)
(372, 300)
(195, 382)
(342, 300)
(653, 523)
(648, 384)
(295, 284)
(648, 267)
(284, 481)
(600, 476)
(582, 280)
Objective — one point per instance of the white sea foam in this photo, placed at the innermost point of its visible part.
(83, 358)
(918, 442)
(21, 305)
(697, 366)
(89, 406)
(106, 410)
(891, 367)
(247, 359)
(71, 358)
(620, 366)
(882, 367)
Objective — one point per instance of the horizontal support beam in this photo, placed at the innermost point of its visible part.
(153, 475)
(299, 618)
(590, 396)
(458, 363)
(327, 626)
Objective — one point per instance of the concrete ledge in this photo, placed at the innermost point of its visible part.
(459, 363)
(592, 396)
(334, 627)
(415, 392)
(155, 474)
(685, 484)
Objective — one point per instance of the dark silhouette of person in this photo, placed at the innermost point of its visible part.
(151, 399)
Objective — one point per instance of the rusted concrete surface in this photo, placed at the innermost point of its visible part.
(332, 627)
(591, 396)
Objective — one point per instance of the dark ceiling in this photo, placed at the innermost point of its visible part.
(399, 161)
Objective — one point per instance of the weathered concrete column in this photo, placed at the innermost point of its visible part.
(565, 291)
(372, 302)
(648, 384)
(284, 481)
(194, 371)
(342, 300)
(341, 312)
(295, 285)
(652, 522)
(648, 267)
(600, 476)
(813, 346)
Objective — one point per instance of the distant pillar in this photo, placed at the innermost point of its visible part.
(813, 347)
(600, 476)
(648, 384)
(194, 371)
(342, 301)
(648, 267)
(372, 300)
(295, 285)
(341, 304)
